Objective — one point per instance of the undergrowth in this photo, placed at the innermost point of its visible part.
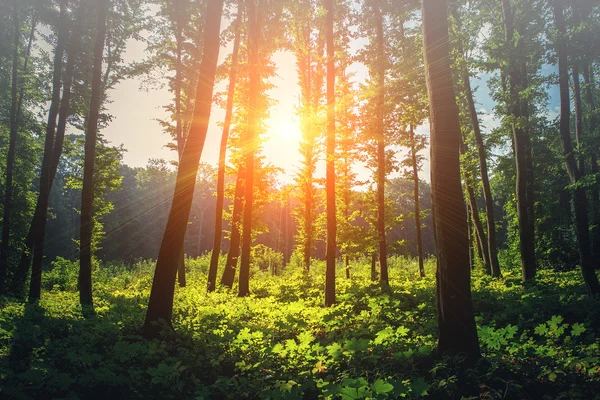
(281, 343)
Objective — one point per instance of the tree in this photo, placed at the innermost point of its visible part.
(10, 157)
(216, 251)
(250, 144)
(457, 330)
(160, 306)
(87, 193)
(330, 159)
(465, 85)
(519, 113)
(576, 173)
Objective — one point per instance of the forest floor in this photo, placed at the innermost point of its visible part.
(282, 343)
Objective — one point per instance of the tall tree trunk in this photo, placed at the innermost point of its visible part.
(34, 22)
(87, 193)
(471, 238)
(457, 331)
(381, 162)
(234, 240)
(575, 174)
(160, 306)
(415, 171)
(373, 266)
(330, 161)
(179, 134)
(10, 156)
(593, 126)
(38, 225)
(517, 76)
(216, 250)
(249, 146)
(492, 248)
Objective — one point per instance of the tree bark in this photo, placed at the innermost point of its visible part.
(160, 306)
(234, 241)
(216, 250)
(249, 147)
(38, 225)
(415, 173)
(87, 194)
(457, 331)
(381, 162)
(517, 77)
(575, 174)
(593, 126)
(330, 159)
(10, 156)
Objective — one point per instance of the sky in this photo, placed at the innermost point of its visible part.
(136, 111)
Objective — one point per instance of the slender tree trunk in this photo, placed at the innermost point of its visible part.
(160, 306)
(38, 225)
(492, 248)
(234, 241)
(575, 174)
(347, 263)
(471, 238)
(374, 266)
(179, 134)
(578, 118)
(10, 157)
(522, 150)
(87, 193)
(249, 147)
(330, 161)
(479, 231)
(457, 331)
(381, 162)
(216, 250)
(415, 171)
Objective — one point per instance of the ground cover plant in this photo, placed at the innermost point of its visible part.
(281, 343)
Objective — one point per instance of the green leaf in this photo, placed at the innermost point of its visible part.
(419, 387)
(577, 329)
(380, 386)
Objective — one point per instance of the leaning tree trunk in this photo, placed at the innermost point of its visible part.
(87, 193)
(38, 224)
(216, 250)
(160, 306)
(249, 147)
(575, 174)
(10, 156)
(330, 161)
(457, 331)
(522, 149)
(234, 240)
(381, 163)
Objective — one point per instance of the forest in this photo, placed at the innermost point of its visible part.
(347, 199)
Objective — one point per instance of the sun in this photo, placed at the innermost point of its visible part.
(284, 128)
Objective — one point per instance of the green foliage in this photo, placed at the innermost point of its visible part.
(280, 343)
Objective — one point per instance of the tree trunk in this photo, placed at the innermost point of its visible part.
(457, 331)
(234, 241)
(381, 162)
(330, 159)
(87, 194)
(517, 75)
(249, 147)
(160, 306)
(575, 174)
(216, 250)
(10, 157)
(38, 225)
(179, 134)
(415, 171)
(593, 126)
(492, 248)
(374, 266)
